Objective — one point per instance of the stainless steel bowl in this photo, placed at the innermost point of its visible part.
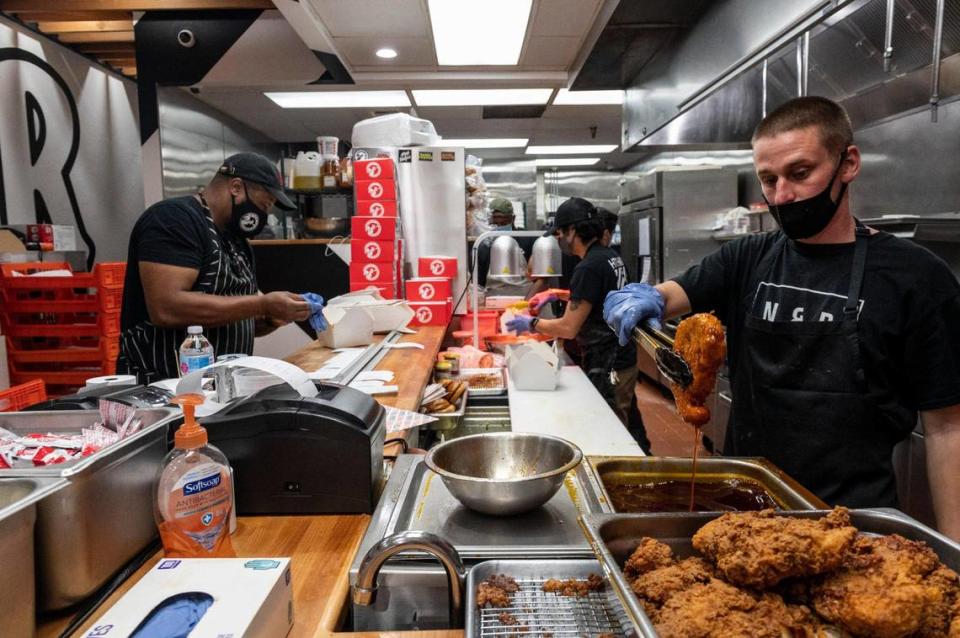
(504, 473)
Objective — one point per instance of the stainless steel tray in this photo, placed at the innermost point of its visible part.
(608, 470)
(104, 516)
(449, 420)
(615, 536)
(544, 613)
(18, 513)
(485, 392)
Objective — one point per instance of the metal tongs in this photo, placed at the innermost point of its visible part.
(659, 345)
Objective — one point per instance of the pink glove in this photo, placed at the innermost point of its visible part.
(550, 295)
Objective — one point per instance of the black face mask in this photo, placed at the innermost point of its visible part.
(246, 219)
(807, 217)
(565, 246)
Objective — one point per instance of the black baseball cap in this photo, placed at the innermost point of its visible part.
(256, 168)
(572, 211)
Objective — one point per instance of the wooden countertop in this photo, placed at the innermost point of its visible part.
(322, 547)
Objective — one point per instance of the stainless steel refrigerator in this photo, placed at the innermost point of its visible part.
(667, 216)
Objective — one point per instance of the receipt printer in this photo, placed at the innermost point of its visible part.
(302, 455)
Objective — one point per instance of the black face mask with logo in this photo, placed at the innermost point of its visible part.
(807, 217)
(246, 219)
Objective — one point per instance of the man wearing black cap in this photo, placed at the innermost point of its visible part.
(189, 263)
(579, 230)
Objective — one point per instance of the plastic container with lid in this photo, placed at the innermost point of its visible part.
(306, 171)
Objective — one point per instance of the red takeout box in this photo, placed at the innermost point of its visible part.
(429, 289)
(437, 266)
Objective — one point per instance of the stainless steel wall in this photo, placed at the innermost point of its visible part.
(600, 188)
(516, 183)
(195, 138)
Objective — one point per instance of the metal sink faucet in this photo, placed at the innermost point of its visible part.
(365, 591)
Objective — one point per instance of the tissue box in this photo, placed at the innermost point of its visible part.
(251, 597)
(533, 366)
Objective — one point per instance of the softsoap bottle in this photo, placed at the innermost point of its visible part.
(194, 496)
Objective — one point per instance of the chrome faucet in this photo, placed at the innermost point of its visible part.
(365, 591)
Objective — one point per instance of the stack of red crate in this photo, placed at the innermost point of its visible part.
(376, 258)
(431, 293)
(61, 329)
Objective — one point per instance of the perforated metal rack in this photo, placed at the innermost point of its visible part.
(534, 613)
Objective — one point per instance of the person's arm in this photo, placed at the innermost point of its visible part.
(266, 325)
(941, 429)
(567, 326)
(675, 299)
(171, 303)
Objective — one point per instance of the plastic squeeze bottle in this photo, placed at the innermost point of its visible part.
(194, 496)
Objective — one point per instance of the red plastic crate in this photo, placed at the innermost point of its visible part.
(100, 325)
(103, 350)
(23, 395)
(106, 275)
(63, 374)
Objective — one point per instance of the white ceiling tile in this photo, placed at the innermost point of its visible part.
(361, 51)
(564, 17)
(353, 18)
(554, 52)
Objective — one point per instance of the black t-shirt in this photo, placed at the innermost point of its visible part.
(909, 313)
(179, 232)
(600, 271)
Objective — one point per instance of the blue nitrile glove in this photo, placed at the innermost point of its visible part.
(520, 324)
(175, 617)
(625, 309)
(317, 320)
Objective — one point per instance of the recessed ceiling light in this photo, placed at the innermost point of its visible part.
(386, 53)
(487, 142)
(566, 161)
(570, 150)
(509, 167)
(483, 33)
(565, 97)
(481, 97)
(338, 99)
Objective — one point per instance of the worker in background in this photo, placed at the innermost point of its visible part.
(838, 334)
(502, 217)
(611, 369)
(189, 263)
(610, 221)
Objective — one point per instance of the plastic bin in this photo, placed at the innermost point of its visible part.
(23, 395)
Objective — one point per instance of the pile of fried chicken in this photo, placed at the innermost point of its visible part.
(763, 575)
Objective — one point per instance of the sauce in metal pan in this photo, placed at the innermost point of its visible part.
(727, 495)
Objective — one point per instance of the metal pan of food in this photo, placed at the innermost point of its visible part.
(615, 537)
(484, 381)
(498, 343)
(541, 598)
(638, 484)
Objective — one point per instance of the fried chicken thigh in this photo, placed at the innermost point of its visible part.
(760, 549)
(890, 587)
(701, 342)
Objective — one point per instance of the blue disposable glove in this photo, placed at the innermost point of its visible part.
(175, 617)
(625, 309)
(317, 320)
(520, 324)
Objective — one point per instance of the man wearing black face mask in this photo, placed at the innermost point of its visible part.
(838, 335)
(189, 263)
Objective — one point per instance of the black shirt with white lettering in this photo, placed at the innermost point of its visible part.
(909, 310)
(600, 271)
(179, 232)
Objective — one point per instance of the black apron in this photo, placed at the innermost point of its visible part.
(801, 400)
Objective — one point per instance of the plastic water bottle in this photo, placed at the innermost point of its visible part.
(195, 351)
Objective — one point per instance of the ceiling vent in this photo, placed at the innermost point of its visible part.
(513, 112)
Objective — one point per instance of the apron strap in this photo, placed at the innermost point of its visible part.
(856, 273)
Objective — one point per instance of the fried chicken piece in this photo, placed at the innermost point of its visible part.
(504, 582)
(701, 342)
(718, 610)
(507, 618)
(889, 587)
(650, 554)
(656, 587)
(573, 586)
(488, 594)
(760, 549)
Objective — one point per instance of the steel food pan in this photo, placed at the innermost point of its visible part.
(542, 613)
(92, 527)
(612, 470)
(446, 421)
(467, 373)
(18, 513)
(613, 537)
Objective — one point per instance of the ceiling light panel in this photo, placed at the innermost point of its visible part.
(480, 97)
(566, 161)
(567, 98)
(490, 142)
(386, 53)
(570, 150)
(487, 33)
(338, 99)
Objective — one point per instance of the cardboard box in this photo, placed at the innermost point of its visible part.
(378, 168)
(437, 266)
(347, 326)
(251, 597)
(370, 208)
(385, 291)
(367, 273)
(370, 251)
(533, 365)
(377, 190)
(379, 228)
(387, 314)
(431, 313)
(428, 289)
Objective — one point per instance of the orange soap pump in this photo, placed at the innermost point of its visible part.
(194, 498)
